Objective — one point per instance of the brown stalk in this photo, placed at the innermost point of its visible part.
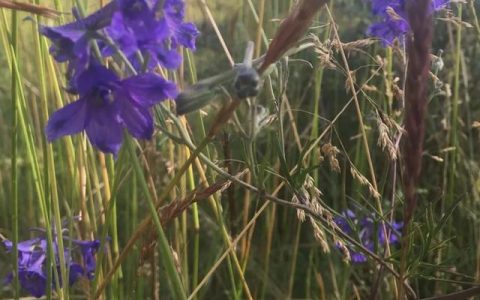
(291, 30)
(416, 92)
(31, 8)
(416, 89)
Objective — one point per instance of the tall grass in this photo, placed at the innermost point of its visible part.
(237, 201)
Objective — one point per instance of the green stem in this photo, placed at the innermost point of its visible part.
(455, 105)
(166, 257)
(14, 174)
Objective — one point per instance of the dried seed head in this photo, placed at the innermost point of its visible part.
(300, 212)
(331, 152)
(392, 14)
(319, 235)
(344, 250)
(384, 141)
(353, 46)
(364, 181)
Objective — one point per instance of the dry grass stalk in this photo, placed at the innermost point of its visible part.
(291, 30)
(31, 8)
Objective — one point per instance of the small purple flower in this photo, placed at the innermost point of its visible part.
(107, 105)
(389, 30)
(367, 232)
(394, 24)
(182, 33)
(32, 263)
(70, 42)
(88, 250)
(138, 27)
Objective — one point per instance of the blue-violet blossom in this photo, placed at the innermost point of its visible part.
(393, 22)
(33, 268)
(366, 231)
(147, 32)
(108, 104)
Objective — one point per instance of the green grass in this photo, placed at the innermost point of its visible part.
(242, 238)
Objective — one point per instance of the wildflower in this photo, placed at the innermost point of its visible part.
(107, 105)
(367, 232)
(182, 33)
(134, 25)
(139, 27)
(394, 22)
(32, 263)
(70, 42)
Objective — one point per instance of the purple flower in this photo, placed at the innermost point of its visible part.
(32, 263)
(182, 33)
(70, 42)
(134, 25)
(393, 22)
(138, 27)
(389, 30)
(367, 232)
(107, 105)
(88, 250)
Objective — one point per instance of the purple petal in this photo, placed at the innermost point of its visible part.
(63, 40)
(93, 77)
(174, 9)
(8, 245)
(186, 34)
(170, 59)
(149, 89)
(123, 36)
(389, 30)
(137, 119)
(440, 4)
(104, 129)
(68, 120)
(35, 282)
(75, 272)
(357, 257)
(88, 250)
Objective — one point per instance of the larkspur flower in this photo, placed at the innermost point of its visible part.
(139, 27)
(108, 104)
(393, 22)
(70, 42)
(32, 263)
(367, 232)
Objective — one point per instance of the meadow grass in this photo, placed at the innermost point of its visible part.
(246, 209)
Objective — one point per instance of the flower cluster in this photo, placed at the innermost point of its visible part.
(33, 268)
(146, 34)
(368, 232)
(393, 22)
